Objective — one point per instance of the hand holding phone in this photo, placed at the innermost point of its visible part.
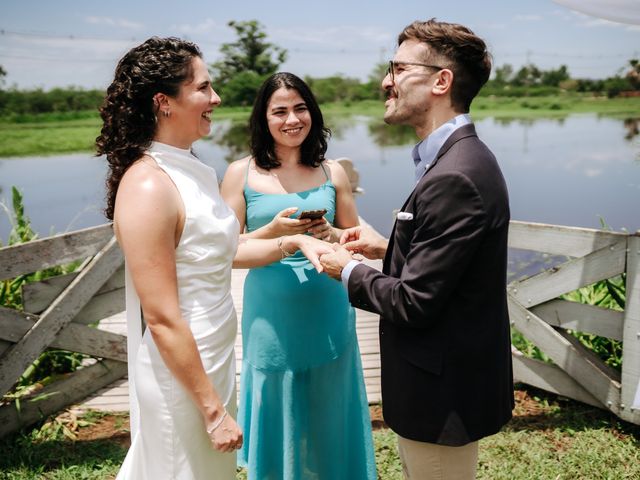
(312, 214)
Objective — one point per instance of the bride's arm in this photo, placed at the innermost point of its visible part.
(253, 252)
(146, 219)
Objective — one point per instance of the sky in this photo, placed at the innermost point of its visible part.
(46, 44)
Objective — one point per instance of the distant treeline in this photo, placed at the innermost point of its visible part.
(15, 102)
(68, 102)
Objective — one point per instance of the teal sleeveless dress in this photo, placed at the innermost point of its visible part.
(303, 405)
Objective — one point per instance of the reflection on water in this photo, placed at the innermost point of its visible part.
(631, 124)
(234, 137)
(566, 171)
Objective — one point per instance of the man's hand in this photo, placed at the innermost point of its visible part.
(366, 241)
(333, 263)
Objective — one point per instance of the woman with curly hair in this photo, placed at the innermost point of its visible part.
(179, 240)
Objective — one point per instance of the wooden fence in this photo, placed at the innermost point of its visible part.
(536, 311)
(60, 313)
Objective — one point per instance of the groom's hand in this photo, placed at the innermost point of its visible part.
(365, 240)
(333, 263)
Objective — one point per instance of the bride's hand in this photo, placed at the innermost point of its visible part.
(225, 434)
(311, 247)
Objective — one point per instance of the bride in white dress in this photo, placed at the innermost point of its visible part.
(180, 241)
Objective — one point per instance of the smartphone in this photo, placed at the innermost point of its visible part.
(312, 214)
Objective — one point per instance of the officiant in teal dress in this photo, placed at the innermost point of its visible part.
(303, 405)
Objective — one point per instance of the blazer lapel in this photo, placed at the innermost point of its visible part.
(387, 257)
(468, 130)
(465, 131)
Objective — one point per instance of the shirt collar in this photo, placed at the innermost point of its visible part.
(424, 153)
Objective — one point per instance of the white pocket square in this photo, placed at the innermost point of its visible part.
(404, 216)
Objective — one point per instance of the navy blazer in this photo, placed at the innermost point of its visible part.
(444, 327)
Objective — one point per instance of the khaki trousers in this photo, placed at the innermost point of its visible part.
(429, 461)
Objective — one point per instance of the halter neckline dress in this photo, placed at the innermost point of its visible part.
(169, 440)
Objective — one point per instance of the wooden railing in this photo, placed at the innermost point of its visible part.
(536, 311)
(60, 313)
(57, 314)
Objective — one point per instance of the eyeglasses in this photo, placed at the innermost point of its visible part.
(391, 69)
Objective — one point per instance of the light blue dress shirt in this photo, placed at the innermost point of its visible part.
(423, 154)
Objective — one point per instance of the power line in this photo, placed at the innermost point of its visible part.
(52, 36)
(54, 59)
(323, 51)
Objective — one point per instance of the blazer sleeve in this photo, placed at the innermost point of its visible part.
(448, 226)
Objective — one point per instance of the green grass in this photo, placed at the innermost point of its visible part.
(47, 138)
(76, 131)
(554, 106)
(549, 438)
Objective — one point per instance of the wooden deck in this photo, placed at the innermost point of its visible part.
(115, 397)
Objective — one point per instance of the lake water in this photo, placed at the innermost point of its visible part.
(572, 171)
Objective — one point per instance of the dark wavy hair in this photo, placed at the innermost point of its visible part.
(159, 65)
(455, 47)
(262, 145)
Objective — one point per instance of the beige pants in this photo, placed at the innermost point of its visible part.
(429, 461)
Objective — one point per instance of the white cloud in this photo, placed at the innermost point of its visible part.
(114, 22)
(588, 21)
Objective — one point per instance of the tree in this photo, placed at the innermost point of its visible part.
(3, 73)
(633, 75)
(555, 77)
(527, 76)
(250, 56)
(503, 75)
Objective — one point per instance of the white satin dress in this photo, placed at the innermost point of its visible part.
(168, 434)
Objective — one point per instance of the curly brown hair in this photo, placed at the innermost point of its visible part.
(455, 47)
(159, 65)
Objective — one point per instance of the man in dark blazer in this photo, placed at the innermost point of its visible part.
(444, 327)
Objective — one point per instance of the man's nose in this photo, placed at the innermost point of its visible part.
(386, 83)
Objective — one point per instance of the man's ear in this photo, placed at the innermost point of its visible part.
(443, 83)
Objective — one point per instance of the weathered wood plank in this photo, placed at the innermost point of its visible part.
(591, 357)
(74, 338)
(550, 378)
(4, 346)
(566, 355)
(50, 252)
(7, 317)
(101, 306)
(581, 318)
(60, 394)
(604, 263)
(17, 358)
(37, 296)
(559, 240)
(631, 335)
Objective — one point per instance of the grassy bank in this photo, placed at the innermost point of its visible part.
(548, 438)
(75, 132)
